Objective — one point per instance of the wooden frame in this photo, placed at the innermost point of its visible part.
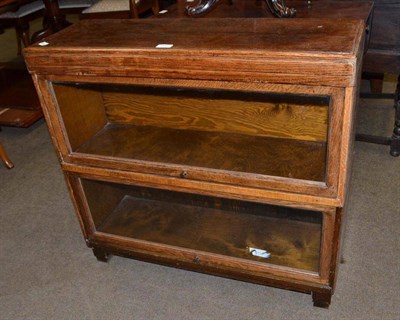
(73, 78)
(327, 189)
(156, 252)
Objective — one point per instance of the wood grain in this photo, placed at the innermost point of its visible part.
(327, 189)
(229, 191)
(293, 243)
(82, 113)
(207, 110)
(294, 159)
(232, 49)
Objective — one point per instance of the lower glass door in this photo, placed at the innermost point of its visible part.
(246, 230)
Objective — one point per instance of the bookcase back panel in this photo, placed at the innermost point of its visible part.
(252, 113)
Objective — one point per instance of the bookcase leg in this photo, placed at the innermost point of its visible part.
(100, 254)
(322, 299)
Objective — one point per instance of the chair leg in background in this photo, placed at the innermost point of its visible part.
(4, 157)
(22, 30)
(395, 142)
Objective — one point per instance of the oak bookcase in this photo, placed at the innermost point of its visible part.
(225, 150)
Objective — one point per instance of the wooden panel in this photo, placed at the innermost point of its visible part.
(229, 191)
(295, 159)
(348, 139)
(381, 61)
(17, 89)
(215, 111)
(327, 244)
(292, 242)
(82, 112)
(80, 204)
(385, 33)
(383, 55)
(278, 68)
(240, 36)
(303, 51)
(110, 196)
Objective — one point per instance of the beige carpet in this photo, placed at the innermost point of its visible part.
(47, 272)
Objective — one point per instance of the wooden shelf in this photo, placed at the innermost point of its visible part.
(292, 236)
(227, 151)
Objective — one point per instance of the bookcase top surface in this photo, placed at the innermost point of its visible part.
(296, 51)
(229, 35)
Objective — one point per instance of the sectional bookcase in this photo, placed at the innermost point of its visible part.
(226, 152)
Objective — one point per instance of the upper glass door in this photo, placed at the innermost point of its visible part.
(234, 132)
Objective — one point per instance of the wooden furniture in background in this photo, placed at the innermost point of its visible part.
(19, 103)
(55, 20)
(330, 9)
(54, 15)
(120, 9)
(383, 56)
(74, 6)
(217, 146)
(18, 15)
(394, 140)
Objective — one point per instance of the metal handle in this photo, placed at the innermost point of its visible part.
(184, 174)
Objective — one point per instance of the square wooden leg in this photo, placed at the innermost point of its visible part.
(322, 299)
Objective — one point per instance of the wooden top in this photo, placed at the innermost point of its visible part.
(286, 51)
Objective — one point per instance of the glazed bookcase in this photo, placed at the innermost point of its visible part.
(228, 153)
